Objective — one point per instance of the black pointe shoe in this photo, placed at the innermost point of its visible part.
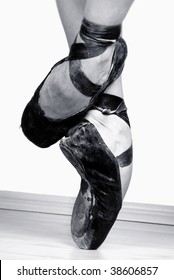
(43, 130)
(100, 197)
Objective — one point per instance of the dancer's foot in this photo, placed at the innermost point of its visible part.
(96, 59)
(71, 84)
(58, 87)
(98, 156)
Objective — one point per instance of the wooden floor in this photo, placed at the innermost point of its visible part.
(32, 235)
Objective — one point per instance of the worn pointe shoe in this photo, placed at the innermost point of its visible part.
(72, 96)
(100, 197)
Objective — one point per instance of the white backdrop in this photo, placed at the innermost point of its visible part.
(32, 40)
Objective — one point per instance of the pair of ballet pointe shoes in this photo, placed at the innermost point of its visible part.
(57, 111)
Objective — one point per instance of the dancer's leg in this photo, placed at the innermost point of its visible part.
(103, 12)
(96, 11)
(112, 12)
(71, 13)
(107, 12)
(101, 193)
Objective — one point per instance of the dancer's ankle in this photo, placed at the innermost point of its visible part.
(97, 68)
(115, 88)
